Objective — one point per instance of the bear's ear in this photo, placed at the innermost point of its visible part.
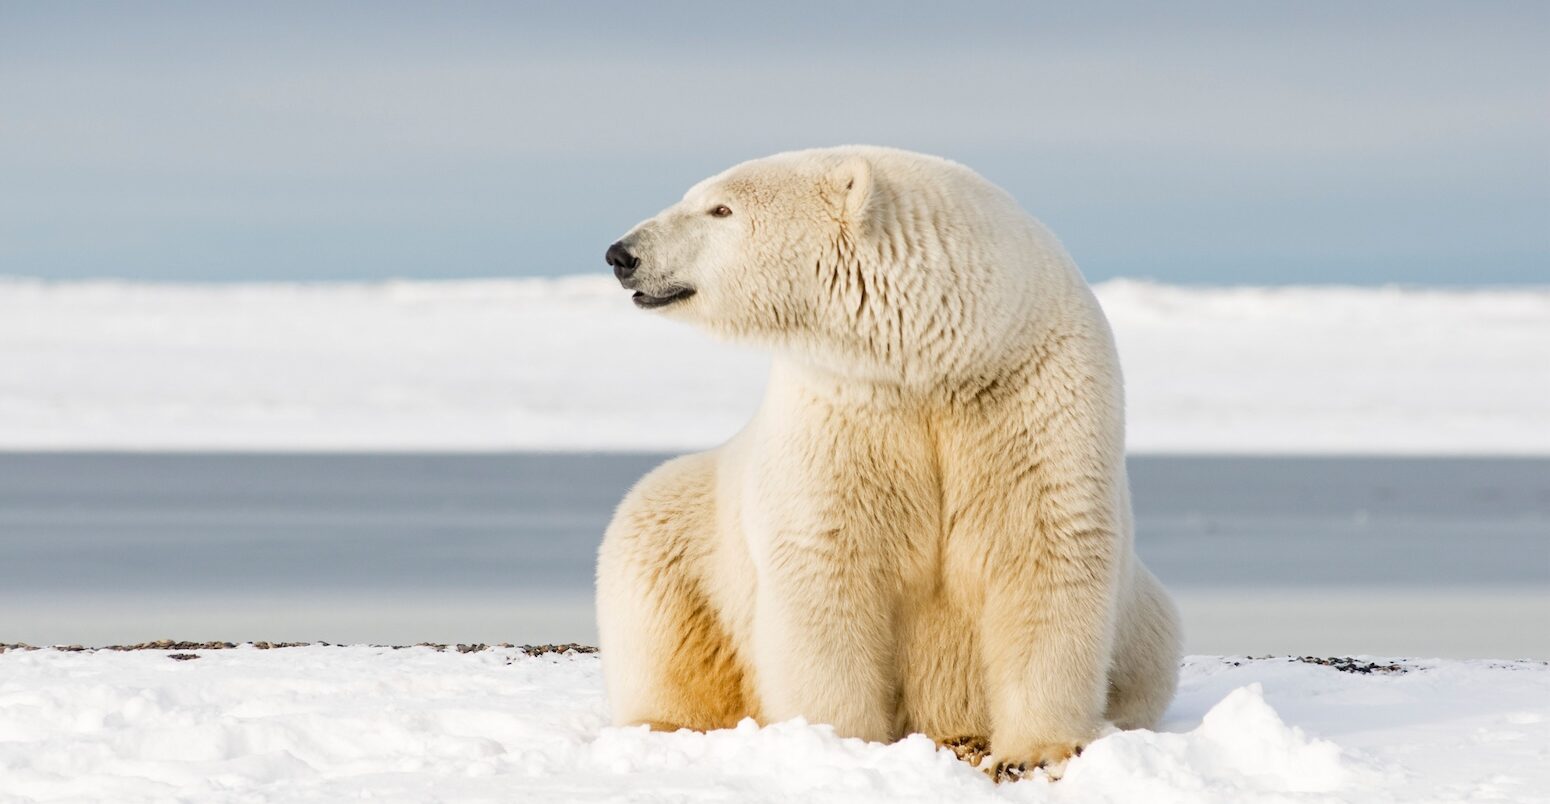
(848, 187)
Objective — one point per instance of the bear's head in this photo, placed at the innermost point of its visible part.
(859, 259)
(724, 255)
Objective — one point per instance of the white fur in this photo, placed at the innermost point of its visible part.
(926, 526)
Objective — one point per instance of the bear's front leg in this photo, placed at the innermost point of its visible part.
(1045, 642)
(1056, 540)
(824, 642)
(839, 507)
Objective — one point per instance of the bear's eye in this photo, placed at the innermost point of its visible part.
(720, 211)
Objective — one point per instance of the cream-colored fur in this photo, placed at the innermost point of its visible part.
(926, 527)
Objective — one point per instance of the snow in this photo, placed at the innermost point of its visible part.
(569, 364)
(324, 723)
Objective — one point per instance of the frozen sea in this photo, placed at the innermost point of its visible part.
(1284, 555)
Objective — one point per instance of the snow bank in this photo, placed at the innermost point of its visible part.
(569, 364)
(330, 723)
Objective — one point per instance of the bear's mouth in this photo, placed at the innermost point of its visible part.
(647, 301)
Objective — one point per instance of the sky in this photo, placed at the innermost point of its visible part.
(1219, 143)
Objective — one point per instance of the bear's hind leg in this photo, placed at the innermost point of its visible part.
(696, 683)
(667, 660)
(1147, 646)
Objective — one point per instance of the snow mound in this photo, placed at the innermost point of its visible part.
(541, 364)
(328, 723)
(1242, 751)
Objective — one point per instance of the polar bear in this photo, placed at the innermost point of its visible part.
(926, 526)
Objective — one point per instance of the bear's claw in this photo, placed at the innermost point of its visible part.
(1010, 771)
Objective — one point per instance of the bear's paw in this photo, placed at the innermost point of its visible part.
(1050, 758)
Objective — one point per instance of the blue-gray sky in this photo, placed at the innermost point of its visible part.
(1190, 142)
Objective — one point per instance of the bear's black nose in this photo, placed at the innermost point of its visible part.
(622, 260)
